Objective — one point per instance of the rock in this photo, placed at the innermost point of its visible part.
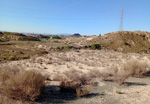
(82, 91)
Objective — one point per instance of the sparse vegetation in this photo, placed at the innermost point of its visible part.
(58, 48)
(20, 84)
(133, 68)
(96, 46)
(73, 81)
(127, 41)
(55, 37)
(91, 67)
(66, 47)
(42, 52)
(17, 36)
(120, 77)
(118, 91)
(18, 50)
(136, 68)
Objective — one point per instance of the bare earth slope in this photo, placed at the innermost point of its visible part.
(56, 63)
(127, 41)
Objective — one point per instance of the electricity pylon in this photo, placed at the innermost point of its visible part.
(121, 21)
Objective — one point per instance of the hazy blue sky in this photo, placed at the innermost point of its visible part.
(87, 17)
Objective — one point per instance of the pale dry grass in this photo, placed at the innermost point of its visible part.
(20, 84)
(74, 81)
(136, 68)
(5, 100)
(132, 68)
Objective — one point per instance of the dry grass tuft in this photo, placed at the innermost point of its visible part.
(133, 68)
(21, 84)
(104, 74)
(94, 73)
(136, 68)
(121, 76)
(74, 80)
(7, 72)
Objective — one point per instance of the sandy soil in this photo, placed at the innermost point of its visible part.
(56, 63)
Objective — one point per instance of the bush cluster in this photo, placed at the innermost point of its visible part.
(55, 37)
(66, 47)
(58, 48)
(133, 68)
(24, 85)
(96, 46)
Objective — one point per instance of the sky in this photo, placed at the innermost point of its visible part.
(87, 17)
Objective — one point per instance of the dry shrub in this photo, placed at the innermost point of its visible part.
(6, 72)
(22, 85)
(121, 76)
(136, 68)
(74, 75)
(94, 73)
(133, 68)
(5, 100)
(104, 74)
(74, 79)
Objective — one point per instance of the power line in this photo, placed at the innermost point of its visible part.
(71, 5)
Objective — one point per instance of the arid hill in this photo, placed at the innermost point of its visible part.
(17, 36)
(39, 36)
(127, 41)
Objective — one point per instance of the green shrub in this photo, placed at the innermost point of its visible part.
(57, 48)
(96, 46)
(67, 47)
(21, 84)
(11, 58)
(18, 57)
(55, 37)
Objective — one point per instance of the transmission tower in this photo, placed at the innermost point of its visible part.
(121, 21)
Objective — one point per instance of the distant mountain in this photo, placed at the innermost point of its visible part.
(76, 35)
(1, 33)
(64, 34)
